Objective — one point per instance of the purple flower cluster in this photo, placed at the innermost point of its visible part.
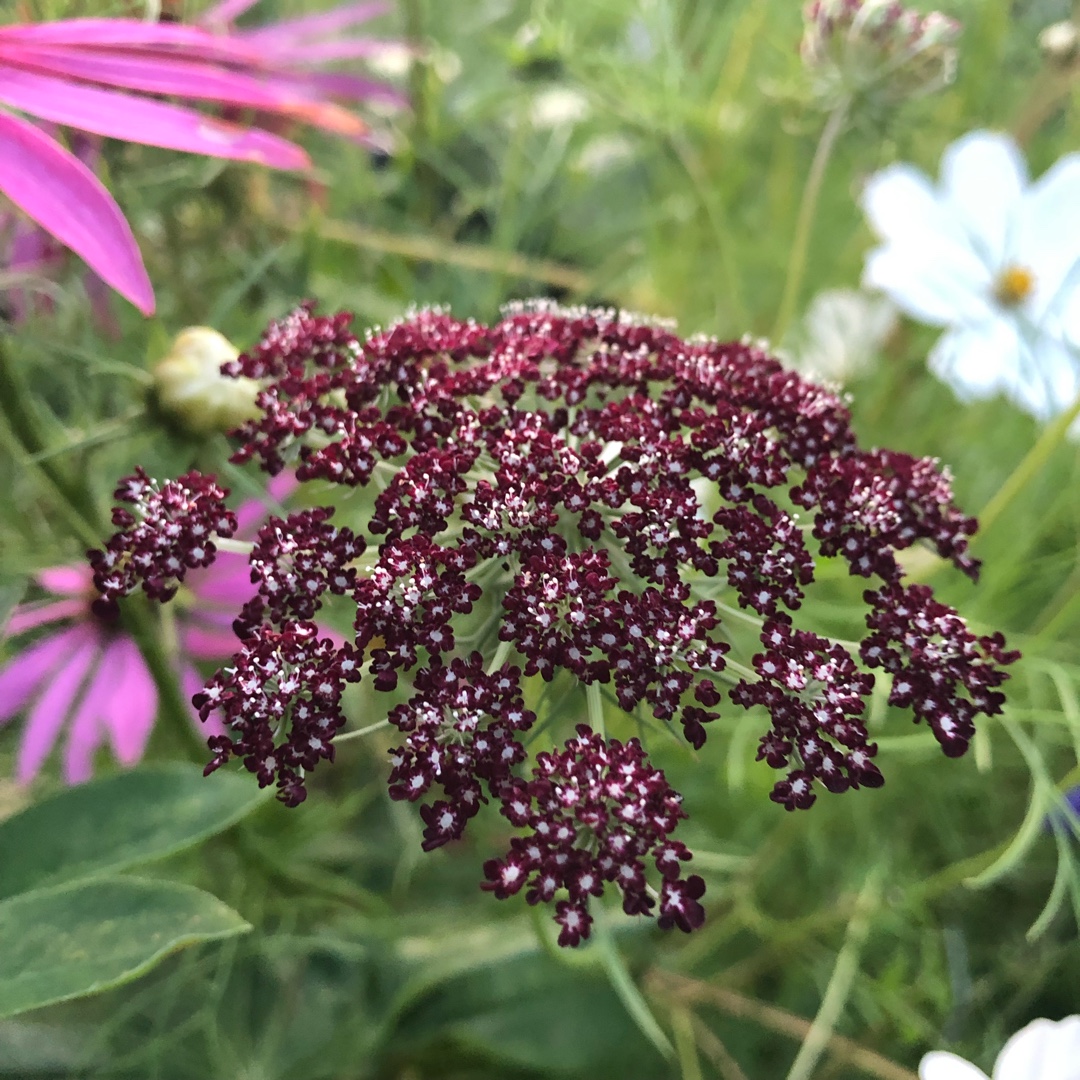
(578, 493)
(293, 562)
(595, 811)
(460, 729)
(288, 682)
(169, 532)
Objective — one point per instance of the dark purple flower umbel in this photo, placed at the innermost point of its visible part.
(565, 507)
(169, 530)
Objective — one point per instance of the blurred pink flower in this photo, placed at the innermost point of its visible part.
(74, 72)
(87, 674)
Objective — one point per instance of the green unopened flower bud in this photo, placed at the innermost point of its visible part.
(191, 389)
(876, 48)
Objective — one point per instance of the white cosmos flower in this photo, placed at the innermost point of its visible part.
(841, 334)
(993, 259)
(1044, 1050)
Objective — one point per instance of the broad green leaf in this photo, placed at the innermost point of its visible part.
(122, 820)
(82, 938)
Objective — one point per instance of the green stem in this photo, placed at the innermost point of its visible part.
(348, 736)
(1033, 461)
(102, 433)
(628, 993)
(804, 224)
(145, 630)
(596, 708)
(840, 982)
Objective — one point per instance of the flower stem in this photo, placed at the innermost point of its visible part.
(359, 733)
(628, 993)
(501, 653)
(804, 224)
(1033, 461)
(840, 982)
(596, 708)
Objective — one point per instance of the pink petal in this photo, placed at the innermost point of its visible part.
(191, 682)
(225, 12)
(85, 731)
(52, 708)
(31, 248)
(27, 616)
(326, 22)
(216, 618)
(226, 583)
(251, 514)
(66, 580)
(97, 292)
(310, 54)
(184, 78)
(153, 123)
(282, 486)
(66, 199)
(132, 35)
(206, 643)
(354, 88)
(26, 671)
(130, 713)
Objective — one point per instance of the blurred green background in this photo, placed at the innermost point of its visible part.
(648, 154)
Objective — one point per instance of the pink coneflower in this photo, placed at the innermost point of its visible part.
(75, 72)
(87, 674)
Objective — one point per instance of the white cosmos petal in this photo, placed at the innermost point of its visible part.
(1036, 372)
(1048, 230)
(1069, 321)
(942, 1066)
(1047, 379)
(933, 279)
(1042, 1051)
(900, 203)
(983, 177)
(978, 361)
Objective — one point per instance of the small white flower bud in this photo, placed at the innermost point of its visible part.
(1060, 43)
(191, 389)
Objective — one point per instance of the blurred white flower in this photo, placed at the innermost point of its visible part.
(394, 61)
(992, 258)
(557, 107)
(1044, 1050)
(841, 334)
(604, 152)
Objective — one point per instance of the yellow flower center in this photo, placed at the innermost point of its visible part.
(1014, 285)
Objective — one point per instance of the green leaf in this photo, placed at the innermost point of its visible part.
(120, 821)
(80, 939)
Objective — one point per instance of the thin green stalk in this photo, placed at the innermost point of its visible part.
(102, 433)
(596, 708)
(800, 243)
(1051, 438)
(682, 1027)
(629, 994)
(348, 736)
(840, 982)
